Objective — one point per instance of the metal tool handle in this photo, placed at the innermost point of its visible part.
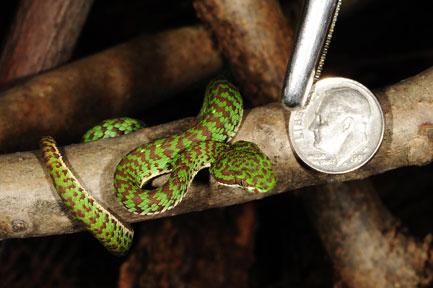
(311, 44)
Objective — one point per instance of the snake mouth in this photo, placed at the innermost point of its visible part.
(254, 190)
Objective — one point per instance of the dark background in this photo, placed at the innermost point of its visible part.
(378, 44)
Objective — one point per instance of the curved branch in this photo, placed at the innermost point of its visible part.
(30, 207)
(140, 72)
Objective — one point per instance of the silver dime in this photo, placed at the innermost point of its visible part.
(340, 129)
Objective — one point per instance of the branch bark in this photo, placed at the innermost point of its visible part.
(43, 36)
(140, 72)
(255, 38)
(334, 212)
(369, 248)
(189, 251)
(31, 207)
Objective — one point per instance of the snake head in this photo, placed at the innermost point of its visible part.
(244, 165)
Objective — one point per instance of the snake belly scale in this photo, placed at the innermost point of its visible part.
(240, 164)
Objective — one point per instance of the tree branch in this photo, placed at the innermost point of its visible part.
(369, 248)
(43, 36)
(29, 206)
(162, 254)
(140, 72)
(255, 38)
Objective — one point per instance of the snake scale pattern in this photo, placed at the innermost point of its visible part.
(240, 164)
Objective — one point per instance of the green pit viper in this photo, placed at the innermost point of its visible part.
(240, 164)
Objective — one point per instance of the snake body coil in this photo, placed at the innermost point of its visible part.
(204, 145)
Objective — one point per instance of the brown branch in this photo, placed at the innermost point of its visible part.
(43, 36)
(30, 207)
(140, 72)
(255, 38)
(365, 242)
(221, 241)
(239, 35)
(227, 19)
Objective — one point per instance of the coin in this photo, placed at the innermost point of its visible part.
(340, 129)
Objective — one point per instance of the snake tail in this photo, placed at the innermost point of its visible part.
(114, 234)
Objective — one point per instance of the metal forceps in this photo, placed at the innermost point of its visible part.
(309, 55)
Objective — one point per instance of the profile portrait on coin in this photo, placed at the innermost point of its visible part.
(340, 124)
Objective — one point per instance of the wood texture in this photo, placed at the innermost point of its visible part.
(43, 36)
(29, 206)
(369, 248)
(190, 251)
(139, 73)
(254, 37)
